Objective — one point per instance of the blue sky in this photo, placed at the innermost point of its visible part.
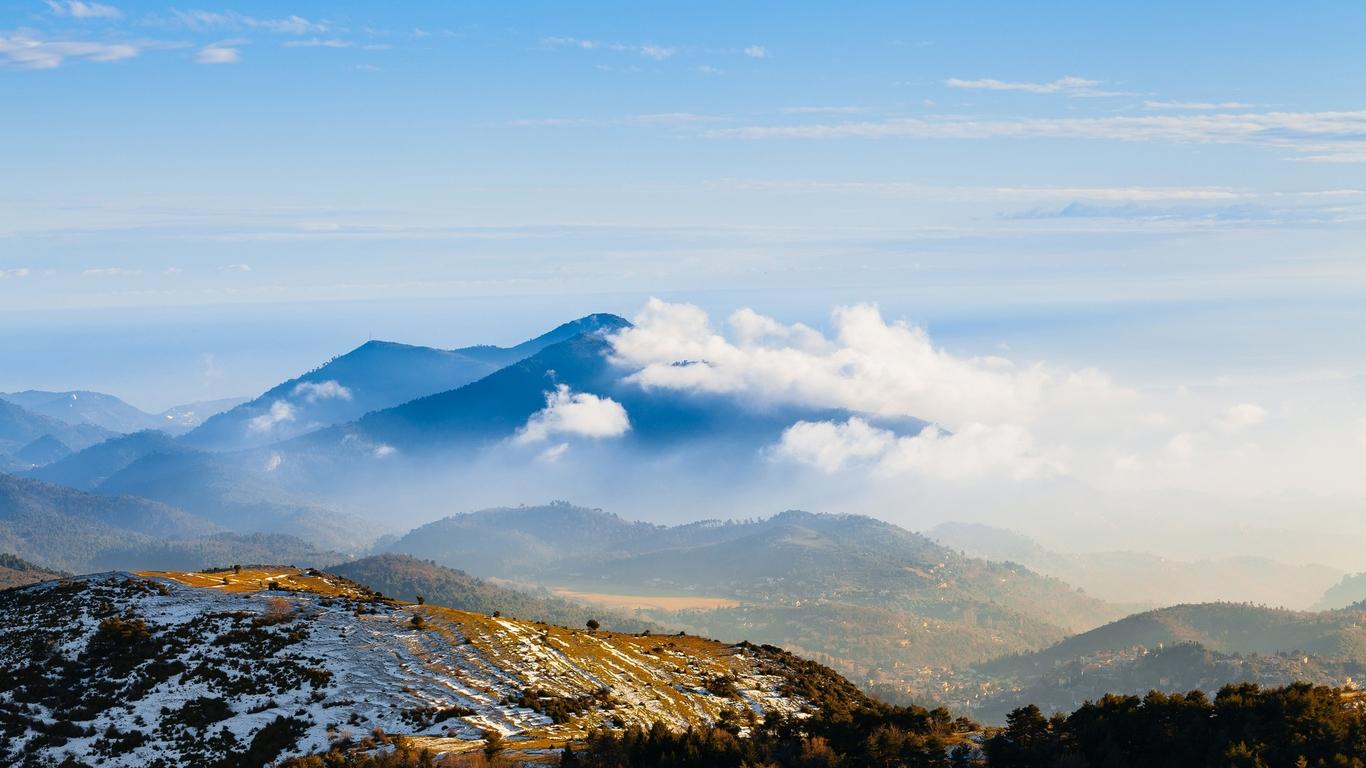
(201, 199)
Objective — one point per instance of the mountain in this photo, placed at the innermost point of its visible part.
(1143, 579)
(1352, 589)
(868, 597)
(89, 468)
(15, 572)
(80, 407)
(20, 427)
(407, 578)
(62, 528)
(376, 375)
(1176, 649)
(494, 408)
(42, 451)
(130, 670)
(1222, 627)
(236, 493)
(183, 418)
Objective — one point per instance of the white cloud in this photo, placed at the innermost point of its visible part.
(1075, 86)
(17, 272)
(317, 42)
(294, 25)
(871, 366)
(554, 453)
(1318, 136)
(1182, 446)
(82, 10)
(313, 391)
(575, 413)
(647, 119)
(832, 110)
(280, 411)
(645, 50)
(756, 52)
(1001, 419)
(975, 452)
(657, 52)
(110, 272)
(831, 446)
(29, 52)
(218, 54)
(1197, 105)
(1242, 416)
(235, 268)
(274, 461)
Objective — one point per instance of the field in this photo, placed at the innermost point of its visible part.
(656, 602)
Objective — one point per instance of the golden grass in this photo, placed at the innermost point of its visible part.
(258, 580)
(658, 602)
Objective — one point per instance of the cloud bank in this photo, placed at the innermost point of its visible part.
(993, 418)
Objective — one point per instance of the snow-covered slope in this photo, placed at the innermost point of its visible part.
(191, 669)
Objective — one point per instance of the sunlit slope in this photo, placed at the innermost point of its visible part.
(189, 666)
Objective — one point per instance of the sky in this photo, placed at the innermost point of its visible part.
(201, 200)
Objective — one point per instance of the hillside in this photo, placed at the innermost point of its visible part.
(1144, 579)
(20, 427)
(1352, 589)
(15, 572)
(130, 670)
(67, 529)
(408, 578)
(1222, 627)
(233, 493)
(81, 407)
(871, 599)
(88, 468)
(374, 376)
(1174, 649)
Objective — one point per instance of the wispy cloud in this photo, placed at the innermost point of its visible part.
(650, 119)
(219, 53)
(1201, 106)
(1070, 85)
(1315, 136)
(6, 274)
(756, 52)
(82, 10)
(111, 272)
(293, 25)
(646, 50)
(318, 42)
(28, 52)
(821, 110)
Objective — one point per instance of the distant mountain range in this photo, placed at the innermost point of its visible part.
(24, 433)
(61, 528)
(1173, 649)
(374, 376)
(1141, 578)
(846, 588)
(112, 414)
(1352, 589)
